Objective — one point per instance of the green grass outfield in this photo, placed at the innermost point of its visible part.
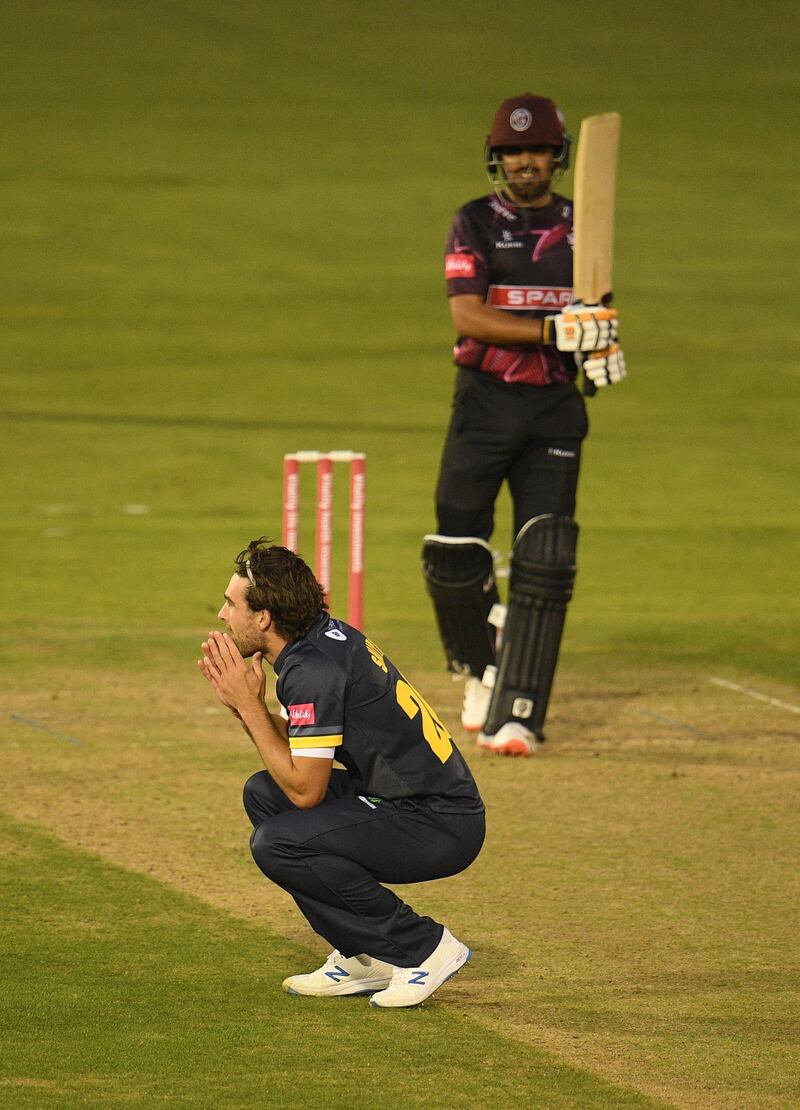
(127, 993)
(220, 240)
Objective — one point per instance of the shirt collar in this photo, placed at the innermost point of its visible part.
(285, 652)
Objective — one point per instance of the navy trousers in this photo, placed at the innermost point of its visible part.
(333, 858)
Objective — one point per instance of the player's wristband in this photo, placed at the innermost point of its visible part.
(548, 331)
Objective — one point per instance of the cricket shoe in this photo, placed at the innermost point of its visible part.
(475, 705)
(511, 739)
(341, 975)
(412, 985)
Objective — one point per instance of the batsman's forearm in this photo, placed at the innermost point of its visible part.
(474, 319)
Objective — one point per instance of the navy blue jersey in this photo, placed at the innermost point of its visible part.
(340, 691)
(518, 260)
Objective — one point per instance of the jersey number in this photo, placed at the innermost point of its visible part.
(433, 730)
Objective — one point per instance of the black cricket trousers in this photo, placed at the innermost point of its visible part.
(333, 858)
(529, 436)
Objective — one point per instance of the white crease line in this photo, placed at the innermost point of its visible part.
(755, 694)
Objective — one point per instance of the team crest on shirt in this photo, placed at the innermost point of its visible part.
(302, 714)
(335, 634)
(508, 241)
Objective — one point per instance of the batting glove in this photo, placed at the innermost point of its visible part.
(581, 327)
(605, 367)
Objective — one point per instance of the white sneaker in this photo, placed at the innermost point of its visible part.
(511, 739)
(412, 985)
(342, 975)
(476, 704)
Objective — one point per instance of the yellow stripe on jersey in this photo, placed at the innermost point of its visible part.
(315, 741)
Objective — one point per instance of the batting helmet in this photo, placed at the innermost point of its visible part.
(523, 121)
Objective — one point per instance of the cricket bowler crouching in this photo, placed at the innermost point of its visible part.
(405, 810)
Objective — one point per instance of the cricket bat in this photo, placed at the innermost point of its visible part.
(593, 210)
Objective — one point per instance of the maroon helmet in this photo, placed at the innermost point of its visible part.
(523, 121)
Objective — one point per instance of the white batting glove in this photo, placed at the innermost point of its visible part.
(581, 327)
(605, 367)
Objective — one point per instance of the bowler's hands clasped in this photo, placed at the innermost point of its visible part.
(235, 684)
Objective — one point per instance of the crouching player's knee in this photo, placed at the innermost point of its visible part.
(273, 855)
(261, 848)
(262, 798)
(252, 795)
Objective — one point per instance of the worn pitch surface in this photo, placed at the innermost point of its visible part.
(629, 913)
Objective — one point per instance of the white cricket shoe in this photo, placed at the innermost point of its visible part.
(342, 975)
(475, 705)
(511, 739)
(412, 985)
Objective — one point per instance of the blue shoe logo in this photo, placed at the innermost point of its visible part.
(338, 973)
(417, 977)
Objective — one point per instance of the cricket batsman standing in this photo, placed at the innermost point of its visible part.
(517, 417)
(404, 810)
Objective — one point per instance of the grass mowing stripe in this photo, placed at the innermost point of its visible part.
(268, 423)
(126, 991)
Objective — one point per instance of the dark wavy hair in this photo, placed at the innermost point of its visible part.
(282, 583)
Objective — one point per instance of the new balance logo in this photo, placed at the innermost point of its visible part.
(338, 973)
(416, 979)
